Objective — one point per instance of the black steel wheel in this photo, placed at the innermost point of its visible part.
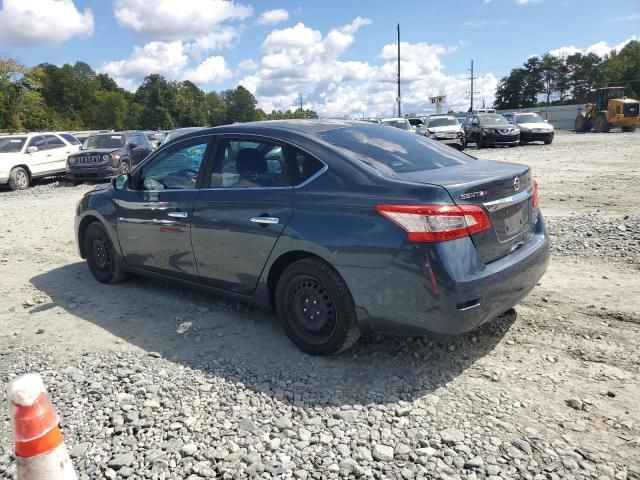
(102, 258)
(316, 308)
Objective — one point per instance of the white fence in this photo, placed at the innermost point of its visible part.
(562, 117)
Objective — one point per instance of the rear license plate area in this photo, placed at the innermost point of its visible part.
(511, 220)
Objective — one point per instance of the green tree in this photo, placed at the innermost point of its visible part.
(215, 109)
(623, 69)
(241, 105)
(189, 109)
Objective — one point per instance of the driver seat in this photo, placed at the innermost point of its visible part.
(250, 165)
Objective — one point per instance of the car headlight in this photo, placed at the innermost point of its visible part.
(459, 134)
(105, 157)
(525, 129)
(71, 160)
(115, 159)
(516, 130)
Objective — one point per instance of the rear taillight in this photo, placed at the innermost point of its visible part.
(437, 223)
(535, 194)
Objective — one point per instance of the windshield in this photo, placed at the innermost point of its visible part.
(11, 144)
(442, 122)
(416, 121)
(492, 119)
(390, 150)
(400, 123)
(529, 118)
(70, 138)
(103, 141)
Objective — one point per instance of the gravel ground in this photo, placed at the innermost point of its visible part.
(156, 381)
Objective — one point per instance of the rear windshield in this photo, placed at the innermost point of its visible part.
(442, 122)
(529, 118)
(401, 124)
(416, 121)
(391, 150)
(11, 144)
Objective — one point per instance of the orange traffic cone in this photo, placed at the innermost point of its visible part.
(40, 450)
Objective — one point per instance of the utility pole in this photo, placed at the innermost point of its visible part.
(399, 103)
(300, 96)
(472, 78)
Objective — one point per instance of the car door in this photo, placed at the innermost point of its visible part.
(155, 212)
(59, 152)
(240, 214)
(38, 160)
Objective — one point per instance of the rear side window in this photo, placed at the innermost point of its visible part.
(303, 166)
(70, 138)
(248, 164)
(391, 150)
(54, 142)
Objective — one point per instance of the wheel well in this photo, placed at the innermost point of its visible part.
(279, 266)
(84, 224)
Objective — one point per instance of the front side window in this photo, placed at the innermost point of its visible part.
(38, 142)
(176, 169)
(11, 144)
(70, 138)
(248, 164)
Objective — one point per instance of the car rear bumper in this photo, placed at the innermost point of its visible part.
(104, 172)
(535, 136)
(445, 287)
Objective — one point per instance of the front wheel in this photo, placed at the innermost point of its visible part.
(19, 179)
(629, 128)
(316, 308)
(548, 140)
(101, 256)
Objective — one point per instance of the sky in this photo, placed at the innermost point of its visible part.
(338, 55)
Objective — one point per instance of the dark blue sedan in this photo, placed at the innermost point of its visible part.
(343, 228)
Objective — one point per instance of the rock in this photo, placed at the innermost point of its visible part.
(523, 446)
(575, 403)
(246, 424)
(475, 462)
(362, 454)
(451, 436)
(283, 423)
(79, 450)
(184, 327)
(382, 453)
(189, 449)
(122, 460)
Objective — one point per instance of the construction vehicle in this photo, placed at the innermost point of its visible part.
(611, 109)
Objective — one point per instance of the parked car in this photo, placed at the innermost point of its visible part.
(155, 138)
(179, 132)
(533, 128)
(106, 155)
(398, 122)
(422, 238)
(490, 129)
(32, 155)
(418, 125)
(446, 129)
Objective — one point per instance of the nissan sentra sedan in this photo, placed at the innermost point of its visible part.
(342, 228)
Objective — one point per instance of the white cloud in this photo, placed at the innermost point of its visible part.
(600, 48)
(216, 40)
(247, 64)
(271, 17)
(301, 59)
(43, 22)
(166, 19)
(166, 58)
(213, 69)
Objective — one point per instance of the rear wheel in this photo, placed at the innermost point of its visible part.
(316, 308)
(479, 142)
(101, 256)
(629, 128)
(601, 125)
(19, 179)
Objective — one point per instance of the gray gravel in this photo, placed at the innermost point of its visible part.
(590, 236)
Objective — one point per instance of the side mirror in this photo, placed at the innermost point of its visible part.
(121, 181)
(32, 149)
(131, 146)
(546, 121)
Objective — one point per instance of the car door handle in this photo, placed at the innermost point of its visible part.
(265, 220)
(178, 214)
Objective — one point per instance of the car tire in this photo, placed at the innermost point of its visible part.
(479, 142)
(522, 143)
(330, 329)
(19, 179)
(125, 167)
(463, 144)
(629, 128)
(548, 140)
(102, 258)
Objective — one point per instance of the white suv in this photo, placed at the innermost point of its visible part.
(27, 156)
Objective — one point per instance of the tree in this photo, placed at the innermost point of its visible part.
(215, 109)
(623, 69)
(241, 105)
(189, 109)
(583, 72)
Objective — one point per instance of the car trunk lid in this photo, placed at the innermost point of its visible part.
(503, 190)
